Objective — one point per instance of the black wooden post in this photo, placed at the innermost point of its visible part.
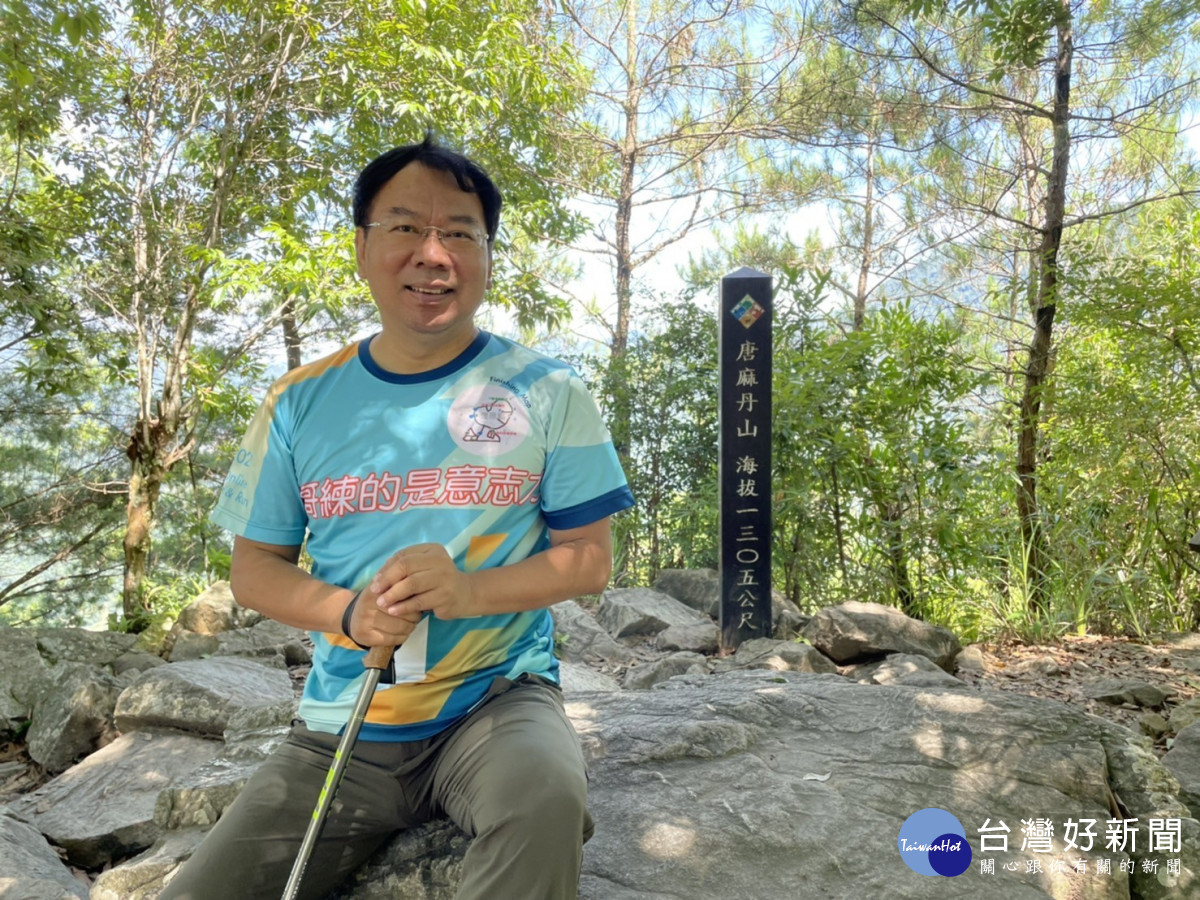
(745, 458)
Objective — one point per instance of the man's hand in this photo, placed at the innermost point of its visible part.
(373, 627)
(420, 579)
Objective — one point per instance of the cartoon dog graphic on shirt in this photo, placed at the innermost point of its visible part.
(487, 419)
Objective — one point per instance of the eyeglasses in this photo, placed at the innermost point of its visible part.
(404, 234)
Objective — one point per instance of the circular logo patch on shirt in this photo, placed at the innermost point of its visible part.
(488, 420)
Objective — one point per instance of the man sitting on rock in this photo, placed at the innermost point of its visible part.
(426, 536)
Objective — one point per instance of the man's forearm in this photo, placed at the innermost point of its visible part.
(567, 570)
(275, 586)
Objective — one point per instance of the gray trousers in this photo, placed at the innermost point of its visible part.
(511, 775)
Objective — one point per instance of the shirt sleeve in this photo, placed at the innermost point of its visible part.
(583, 480)
(261, 498)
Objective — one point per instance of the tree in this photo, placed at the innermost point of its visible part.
(206, 151)
(674, 98)
(1036, 48)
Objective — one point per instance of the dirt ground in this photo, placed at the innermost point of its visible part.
(1066, 670)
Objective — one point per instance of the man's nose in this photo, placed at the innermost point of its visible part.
(431, 251)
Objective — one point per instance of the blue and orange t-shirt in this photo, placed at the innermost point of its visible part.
(483, 455)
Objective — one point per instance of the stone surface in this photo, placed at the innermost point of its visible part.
(970, 659)
(143, 877)
(645, 676)
(200, 695)
(777, 656)
(1185, 714)
(904, 668)
(1126, 690)
(104, 807)
(699, 589)
(857, 632)
(641, 611)
(21, 672)
(577, 677)
(29, 867)
(776, 785)
(702, 637)
(213, 612)
(579, 638)
(73, 712)
(1183, 761)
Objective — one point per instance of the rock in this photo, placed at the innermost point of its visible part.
(699, 589)
(136, 661)
(21, 672)
(97, 648)
(144, 876)
(1126, 690)
(29, 867)
(1185, 714)
(970, 659)
(425, 863)
(1183, 761)
(645, 676)
(213, 612)
(904, 668)
(786, 619)
(856, 632)
(72, 715)
(580, 639)
(103, 808)
(1038, 665)
(200, 695)
(577, 677)
(188, 645)
(777, 656)
(641, 611)
(702, 637)
(1153, 725)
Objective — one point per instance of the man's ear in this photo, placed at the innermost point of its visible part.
(488, 283)
(360, 248)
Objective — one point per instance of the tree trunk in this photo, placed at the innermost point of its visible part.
(1037, 550)
(145, 482)
(291, 334)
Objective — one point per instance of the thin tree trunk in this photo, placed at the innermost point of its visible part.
(1037, 550)
(291, 334)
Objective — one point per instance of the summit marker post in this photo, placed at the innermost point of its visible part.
(744, 469)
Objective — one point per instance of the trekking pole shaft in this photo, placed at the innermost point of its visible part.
(376, 661)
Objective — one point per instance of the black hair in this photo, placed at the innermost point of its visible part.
(470, 177)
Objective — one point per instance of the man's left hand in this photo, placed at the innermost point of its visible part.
(423, 578)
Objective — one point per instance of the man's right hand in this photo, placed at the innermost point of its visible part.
(373, 627)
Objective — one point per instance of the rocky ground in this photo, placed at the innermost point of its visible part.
(1064, 671)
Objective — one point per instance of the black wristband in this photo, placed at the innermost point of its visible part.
(346, 621)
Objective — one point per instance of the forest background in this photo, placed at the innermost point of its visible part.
(985, 356)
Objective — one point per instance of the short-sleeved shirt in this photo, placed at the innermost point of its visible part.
(483, 455)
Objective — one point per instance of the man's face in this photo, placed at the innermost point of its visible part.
(421, 287)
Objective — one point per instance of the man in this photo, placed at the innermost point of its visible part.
(449, 486)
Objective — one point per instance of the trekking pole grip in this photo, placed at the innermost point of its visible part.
(378, 657)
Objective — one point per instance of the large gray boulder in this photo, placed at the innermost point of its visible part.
(698, 588)
(579, 638)
(201, 695)
(103, 808)
(701, 590)
(780, 784)
(645, 676)
(29, 867)
(778, 656)
(1183, 760)
(640, 611)
(858, 632)
(904, 668)
(73, 713)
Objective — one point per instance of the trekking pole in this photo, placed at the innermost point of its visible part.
(377, 660)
